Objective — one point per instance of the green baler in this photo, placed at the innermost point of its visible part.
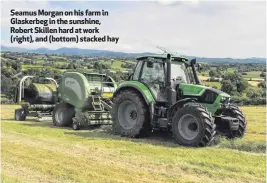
(84, 99)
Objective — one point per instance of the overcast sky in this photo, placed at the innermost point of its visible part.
(198, 28)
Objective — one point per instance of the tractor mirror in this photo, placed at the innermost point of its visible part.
(149, 64)
(199, 67)
(193, 61)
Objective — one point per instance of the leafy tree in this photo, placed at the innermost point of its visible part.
(262, 84)
(234, 83)
(7, 86)
(227, 86)
(254, 92)
(263, 74)
(213, 73)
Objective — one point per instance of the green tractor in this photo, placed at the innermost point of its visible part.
(164, 93)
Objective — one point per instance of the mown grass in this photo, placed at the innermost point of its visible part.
(39, 152)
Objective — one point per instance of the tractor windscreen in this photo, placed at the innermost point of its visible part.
(179, 72)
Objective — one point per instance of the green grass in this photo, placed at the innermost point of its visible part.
(30, 66)
(39, 152)
(61, 63)
(58, 57)
(231, 70)
(115, 65)
(253, 74)
(40, 67)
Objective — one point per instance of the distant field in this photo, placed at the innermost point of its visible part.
(231, 70)
(40, 62)
(254, 83)
(115, 65)
(40, 67)
(203, 78)
(212, 84)
(61, 63)
(39, 152)
(30, 66)
(59, 57)
(254, 74)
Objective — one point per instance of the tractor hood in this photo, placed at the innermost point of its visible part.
(198, 90)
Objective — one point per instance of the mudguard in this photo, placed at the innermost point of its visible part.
(137, 86)
(173, 108)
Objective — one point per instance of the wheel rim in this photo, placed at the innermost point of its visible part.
(188, 127)
(127, 114)
(59, 115)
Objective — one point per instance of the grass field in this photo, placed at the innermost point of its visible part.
(39, 152)
(254, 83)
(212, 84)
(29, 66)
(253, 74)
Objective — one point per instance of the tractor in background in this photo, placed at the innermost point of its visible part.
(164, 93)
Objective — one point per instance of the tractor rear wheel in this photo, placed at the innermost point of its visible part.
(20, 115)
(63, 114)
(192, 125)
(130, 115)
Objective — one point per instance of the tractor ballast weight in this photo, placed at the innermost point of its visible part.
(84, 100)
(164, 93)
(37, 98)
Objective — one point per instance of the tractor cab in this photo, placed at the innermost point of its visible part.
(152, 72)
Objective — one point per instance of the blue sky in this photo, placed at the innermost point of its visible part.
(201, 28)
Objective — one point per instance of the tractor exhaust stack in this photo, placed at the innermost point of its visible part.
(171, 93)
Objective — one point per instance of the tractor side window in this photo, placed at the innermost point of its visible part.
(137, 71)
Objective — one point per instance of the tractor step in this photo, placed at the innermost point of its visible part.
(96, 103)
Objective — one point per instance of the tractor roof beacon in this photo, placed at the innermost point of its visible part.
(164, 92)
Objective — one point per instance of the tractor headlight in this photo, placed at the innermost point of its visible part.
(225, 100)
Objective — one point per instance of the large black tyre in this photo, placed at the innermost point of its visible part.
(130, 115)
(193, 125)
(20, 115)
(63, 114)
(235, 112)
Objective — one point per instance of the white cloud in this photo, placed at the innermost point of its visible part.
(212, 29)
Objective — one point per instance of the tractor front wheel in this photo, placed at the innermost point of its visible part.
(192, 125)
(130, 115)
(63, 114)
(235, 112)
